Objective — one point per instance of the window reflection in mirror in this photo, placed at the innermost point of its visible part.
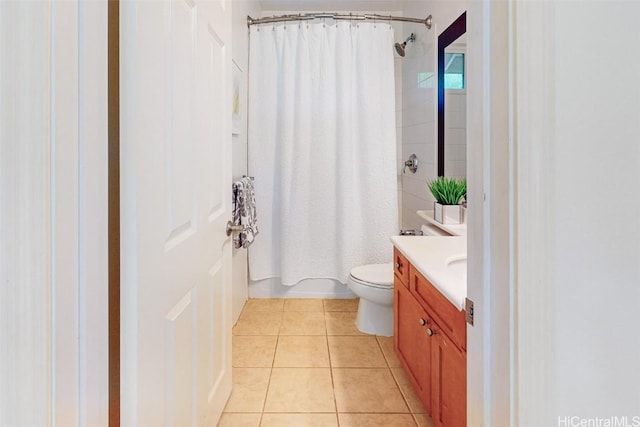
(454, 68)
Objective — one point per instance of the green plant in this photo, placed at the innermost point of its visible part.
(448, 191)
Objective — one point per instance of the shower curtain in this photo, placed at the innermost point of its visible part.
(322, 148)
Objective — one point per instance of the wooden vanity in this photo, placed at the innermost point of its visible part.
(430, 339)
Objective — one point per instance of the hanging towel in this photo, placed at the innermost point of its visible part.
(244, 211)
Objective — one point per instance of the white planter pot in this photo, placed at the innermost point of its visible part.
(448, 214)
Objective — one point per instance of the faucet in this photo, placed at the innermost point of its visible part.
(411, 232)
(412, 164)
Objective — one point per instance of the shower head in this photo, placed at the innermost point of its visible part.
(400, 47)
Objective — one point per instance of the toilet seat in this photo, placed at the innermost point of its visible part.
(374, 275)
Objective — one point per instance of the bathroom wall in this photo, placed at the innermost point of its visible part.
(596, 152)
(240, 55)
(398, 60)
(420, 105)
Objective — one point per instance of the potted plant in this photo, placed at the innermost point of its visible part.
(448, 193)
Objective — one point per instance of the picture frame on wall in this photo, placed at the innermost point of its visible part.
(236, 100)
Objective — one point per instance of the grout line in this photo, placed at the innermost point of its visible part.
(402, 393)
(333, 382)
(273, 360)
(384, 356)
(395, 380)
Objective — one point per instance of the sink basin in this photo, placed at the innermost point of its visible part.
(457, 266)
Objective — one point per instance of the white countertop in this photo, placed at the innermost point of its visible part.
(453, 229)
(430, 256)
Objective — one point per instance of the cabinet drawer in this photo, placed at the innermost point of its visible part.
(401, 267)
(449, 318)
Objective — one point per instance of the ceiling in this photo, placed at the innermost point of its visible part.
(333, 5)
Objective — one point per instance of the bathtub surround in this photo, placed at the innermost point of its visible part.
(322, 148)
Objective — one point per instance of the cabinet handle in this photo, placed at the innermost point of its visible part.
(430, 332)
(398, 265)
(422, 322)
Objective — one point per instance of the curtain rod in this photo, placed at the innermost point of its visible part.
(308, 16)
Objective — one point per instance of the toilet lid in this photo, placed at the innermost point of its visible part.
(377, 274)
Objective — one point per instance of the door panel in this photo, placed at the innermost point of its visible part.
(179, 80)
(213, 65)
(176, 200)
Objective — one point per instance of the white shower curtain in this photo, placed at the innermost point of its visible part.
(322, 148)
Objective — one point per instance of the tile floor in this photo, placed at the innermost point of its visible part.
(302, 362)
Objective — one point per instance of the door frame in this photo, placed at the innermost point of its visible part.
(113, 85)
(511, 131)
(491, 376)
(53, 207)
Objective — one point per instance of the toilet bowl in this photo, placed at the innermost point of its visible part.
(373, 283)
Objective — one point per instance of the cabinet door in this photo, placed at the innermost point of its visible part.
(449, 382)
(412, 344)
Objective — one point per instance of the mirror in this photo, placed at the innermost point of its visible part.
(452, 95)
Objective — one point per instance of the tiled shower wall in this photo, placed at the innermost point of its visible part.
(418, 133)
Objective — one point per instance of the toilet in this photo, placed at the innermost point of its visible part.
(373, 283)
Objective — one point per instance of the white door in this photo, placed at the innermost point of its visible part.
(175, 114)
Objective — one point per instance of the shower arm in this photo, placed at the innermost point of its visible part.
(338, 17)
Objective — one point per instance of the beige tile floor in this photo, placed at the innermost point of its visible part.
(302, 362)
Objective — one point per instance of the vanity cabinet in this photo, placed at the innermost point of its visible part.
(430, 341)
